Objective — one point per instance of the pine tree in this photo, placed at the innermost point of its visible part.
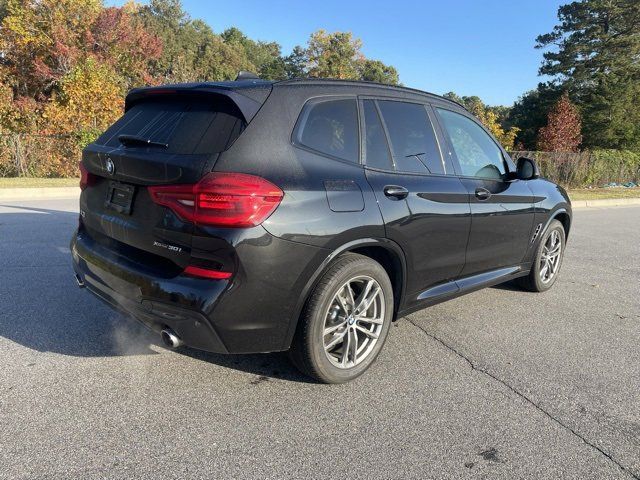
(594, 53)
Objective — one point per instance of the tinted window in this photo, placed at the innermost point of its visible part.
(413, 141)
(477, 153)
(331, 127)
(186, 126)
(377, 150)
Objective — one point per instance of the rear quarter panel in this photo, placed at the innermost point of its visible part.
(305, 215)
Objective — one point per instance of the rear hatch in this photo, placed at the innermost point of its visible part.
(166, 137)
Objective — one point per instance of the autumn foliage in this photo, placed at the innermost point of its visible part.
(66, 65)
(70, 61)
(562, 132)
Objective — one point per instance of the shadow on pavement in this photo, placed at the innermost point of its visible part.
(42, 308)
(510, 285)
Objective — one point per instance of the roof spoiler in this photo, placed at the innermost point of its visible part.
(248, 106)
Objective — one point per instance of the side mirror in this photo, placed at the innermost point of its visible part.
(527, 169)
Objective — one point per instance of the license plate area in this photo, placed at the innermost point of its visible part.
(120, 197)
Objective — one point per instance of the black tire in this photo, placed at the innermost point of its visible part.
(308, 347)
(534, 282)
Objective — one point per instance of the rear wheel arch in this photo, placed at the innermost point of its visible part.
(384, 251)
(393, 263)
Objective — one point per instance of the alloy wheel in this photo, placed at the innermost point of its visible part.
(353, 322)
(550, 258)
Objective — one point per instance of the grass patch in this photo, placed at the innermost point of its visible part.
(25, 182)
(603, 193)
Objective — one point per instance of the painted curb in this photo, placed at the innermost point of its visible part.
(605, 202)
(38, 193)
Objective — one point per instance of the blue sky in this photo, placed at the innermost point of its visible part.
(471, 47)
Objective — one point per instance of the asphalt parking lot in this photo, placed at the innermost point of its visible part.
(497, 384)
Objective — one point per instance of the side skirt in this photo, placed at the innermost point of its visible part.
(462, 286)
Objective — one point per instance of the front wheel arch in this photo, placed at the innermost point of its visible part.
(565, 219)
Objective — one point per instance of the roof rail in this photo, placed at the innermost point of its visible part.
(244, 75)
(368, 84)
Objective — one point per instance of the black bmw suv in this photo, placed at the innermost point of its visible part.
(305, 215)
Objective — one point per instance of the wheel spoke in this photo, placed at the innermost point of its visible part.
(368, 333)
(543, 271)
(363, 296)
(346, 345)
(354, 345)
(368, 301)
(375, 321)
(343, 304)
(352, 301)
(335, 341)
(333, 328)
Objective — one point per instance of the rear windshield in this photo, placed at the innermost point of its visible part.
(187, 126)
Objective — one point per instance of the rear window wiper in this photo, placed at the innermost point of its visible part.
(134, 140)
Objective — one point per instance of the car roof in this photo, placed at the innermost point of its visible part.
(366, 85)
(258, 89)
(353, 84)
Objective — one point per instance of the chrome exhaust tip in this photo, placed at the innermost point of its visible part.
(79, 281)
(170, 339)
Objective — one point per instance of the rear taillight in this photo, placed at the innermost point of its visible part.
(221, 199)
(86, 178)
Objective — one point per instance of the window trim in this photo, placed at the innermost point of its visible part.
(302, 119)
(434, 127)
(363, 135)
(442, 143)
(454, 155)
(387, 135)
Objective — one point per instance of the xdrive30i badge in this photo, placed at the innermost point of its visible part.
(172, 248)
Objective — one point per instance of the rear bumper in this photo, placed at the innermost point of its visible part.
(253, 312)
(157, 303)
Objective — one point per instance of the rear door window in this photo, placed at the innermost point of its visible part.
(413, 140)
(330, 127)
(186, 126)
(376, 148)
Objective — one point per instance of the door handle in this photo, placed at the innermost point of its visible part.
(396, 191)
(482, 194)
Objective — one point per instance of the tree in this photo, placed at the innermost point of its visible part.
(491, 117)
(529, 114)
(295, 64)
(264, 56)
(42, 40)
(192, 51)
(595, 56)
(88, 101)
(376, 71)
(120, 39)
(334, 55)
(66, 65)
(562, 132)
